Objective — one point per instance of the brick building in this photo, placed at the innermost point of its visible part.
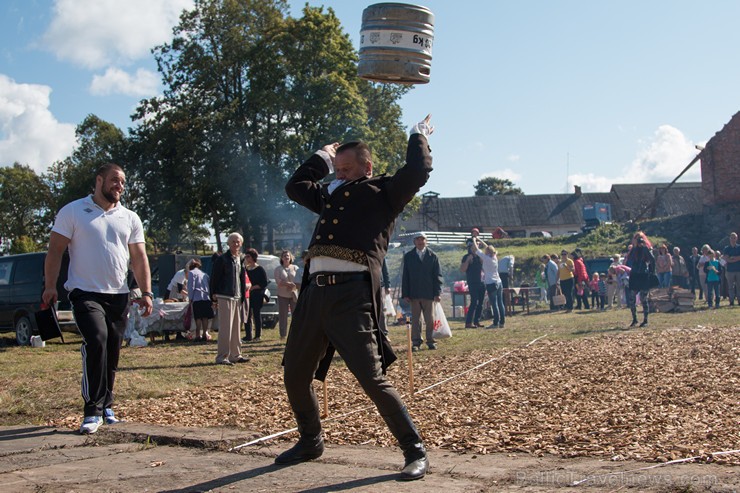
(720, 181)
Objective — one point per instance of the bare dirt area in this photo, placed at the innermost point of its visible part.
(619, 411)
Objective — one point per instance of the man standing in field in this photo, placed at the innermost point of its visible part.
(102, 236)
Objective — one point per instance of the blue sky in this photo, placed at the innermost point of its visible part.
(549, 94)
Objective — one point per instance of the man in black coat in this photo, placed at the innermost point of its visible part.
(421, 286)
(340, 301)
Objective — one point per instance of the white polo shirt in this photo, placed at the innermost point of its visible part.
(99, 244)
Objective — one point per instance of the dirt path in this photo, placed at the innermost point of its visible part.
(136, 458)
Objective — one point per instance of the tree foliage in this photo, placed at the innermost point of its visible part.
(24, 209)
(491, 185)
(98, 142)
(249, 93)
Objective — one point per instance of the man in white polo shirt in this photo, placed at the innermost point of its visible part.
(102, 235)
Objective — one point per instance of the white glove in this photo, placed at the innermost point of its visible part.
(423, 127)
(328, 153)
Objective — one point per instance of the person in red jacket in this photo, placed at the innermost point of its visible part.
(581, 280)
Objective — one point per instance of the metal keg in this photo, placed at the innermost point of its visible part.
(396, 43)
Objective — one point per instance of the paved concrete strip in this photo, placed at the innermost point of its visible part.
(138, 458)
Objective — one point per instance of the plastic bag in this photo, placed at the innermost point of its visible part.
(388, 309)
(132, 334)
(441, 327)
(137, 340)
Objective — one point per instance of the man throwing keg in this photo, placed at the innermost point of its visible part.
(340, 302)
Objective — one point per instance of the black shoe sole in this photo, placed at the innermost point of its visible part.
(409, 477)
(296, 460)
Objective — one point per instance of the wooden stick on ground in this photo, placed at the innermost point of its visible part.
(326, 401)
(410, 357)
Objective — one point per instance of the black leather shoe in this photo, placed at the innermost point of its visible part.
(415, 468)
(634, 322)
(306, 449)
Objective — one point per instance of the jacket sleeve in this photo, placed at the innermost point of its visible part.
(385, 275)
(405, 279)
(650, 261)
(259, 277)
(410, 178)
(438, 279)
(216, 272)
(304, 187)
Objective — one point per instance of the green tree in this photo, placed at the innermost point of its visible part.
(491, 185)
(24, 209)
(98, 142)
(249, 93)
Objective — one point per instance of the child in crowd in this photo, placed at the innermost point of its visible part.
(593, 285)
(713, 268)
(612, 288)
(602, 293)
(623, 278)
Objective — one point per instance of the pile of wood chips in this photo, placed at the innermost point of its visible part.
(644, 395)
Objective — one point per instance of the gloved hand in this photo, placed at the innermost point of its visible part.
(330, 150)
(423, 127)
(328, 153)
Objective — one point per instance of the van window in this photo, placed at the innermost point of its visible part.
(28, 271)
(5, 268)
(269, 264)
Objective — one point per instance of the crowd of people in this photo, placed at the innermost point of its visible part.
(235, 276)
(567, 285)
(563, 278)
(637, 270)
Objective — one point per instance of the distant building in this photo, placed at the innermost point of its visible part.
(557, 214)
(715, 201)
(720, 180)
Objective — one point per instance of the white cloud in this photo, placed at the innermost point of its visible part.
(664, 157)
(591, 183)
(29, 133)
(660, 160)
(513, 158)
(144, 83)
(504, 174)
(98, 33)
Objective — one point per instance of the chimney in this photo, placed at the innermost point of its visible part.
(577, 190)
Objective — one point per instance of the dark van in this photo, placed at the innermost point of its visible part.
(21, 287)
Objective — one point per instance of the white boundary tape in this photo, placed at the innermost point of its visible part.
(285, 432)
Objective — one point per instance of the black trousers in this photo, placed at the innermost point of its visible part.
(566, 285)
(256, 300)
(101, 320)
(342, 314)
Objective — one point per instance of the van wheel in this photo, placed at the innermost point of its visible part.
(23, 331)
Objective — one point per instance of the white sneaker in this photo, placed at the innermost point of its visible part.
(91, 424)
(110, 417)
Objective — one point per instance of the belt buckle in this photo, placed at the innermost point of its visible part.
(326, 278)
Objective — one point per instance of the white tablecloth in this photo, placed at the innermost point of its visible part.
(164, 317)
